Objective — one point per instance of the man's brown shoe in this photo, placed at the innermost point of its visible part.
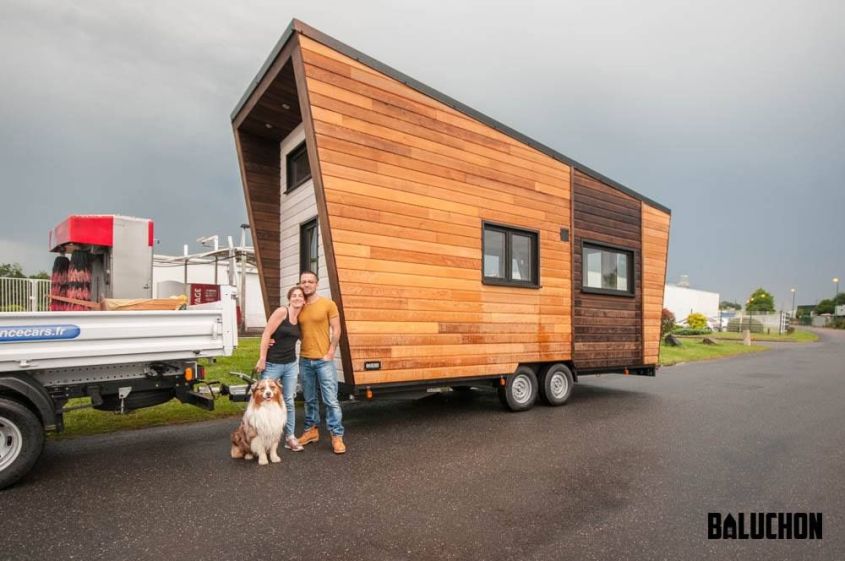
(309, 436)
(338, 447)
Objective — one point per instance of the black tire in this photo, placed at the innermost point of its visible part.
(556, 384)
(21, 441)
(520, 392)
(136, 400)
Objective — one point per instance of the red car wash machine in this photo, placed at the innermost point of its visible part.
(110, 256)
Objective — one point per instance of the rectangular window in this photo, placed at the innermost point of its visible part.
(297, 167)
(309, 247)
(510, 256)
(607, 270)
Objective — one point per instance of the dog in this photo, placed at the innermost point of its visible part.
(262, 425)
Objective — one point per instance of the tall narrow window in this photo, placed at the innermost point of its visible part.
(607, 270)
(297, 167)
(309, 247)
(510, 256)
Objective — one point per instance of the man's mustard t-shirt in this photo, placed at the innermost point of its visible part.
(314, 326)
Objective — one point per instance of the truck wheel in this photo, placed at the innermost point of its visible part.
(556, 384)
(520, 392)
(21, 441)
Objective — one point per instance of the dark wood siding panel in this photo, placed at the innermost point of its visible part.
(261, 167)
(607, 330)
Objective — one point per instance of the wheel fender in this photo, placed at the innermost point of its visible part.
(23, 387)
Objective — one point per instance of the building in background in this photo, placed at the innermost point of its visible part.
(199, 277)
(683, 301)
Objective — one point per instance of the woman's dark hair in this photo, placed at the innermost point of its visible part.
(291, 289)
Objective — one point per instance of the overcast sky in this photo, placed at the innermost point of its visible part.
(730, 113)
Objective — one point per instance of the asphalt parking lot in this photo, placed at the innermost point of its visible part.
(628, 469)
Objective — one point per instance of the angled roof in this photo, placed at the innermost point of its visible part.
(305, 29)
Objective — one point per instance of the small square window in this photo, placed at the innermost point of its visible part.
(607, 270)
(298, 170)
(510, 256)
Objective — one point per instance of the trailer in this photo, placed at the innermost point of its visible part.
(459, 251)
(121, 360)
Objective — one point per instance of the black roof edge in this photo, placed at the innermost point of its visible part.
(319, 36)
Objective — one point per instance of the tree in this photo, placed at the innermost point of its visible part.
(824, 307)
(13, 270)
(760, 301)
(728, 305)
(840, 299)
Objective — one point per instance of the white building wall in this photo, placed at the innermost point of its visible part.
(203, 273)
(298, 207)
(684, 301)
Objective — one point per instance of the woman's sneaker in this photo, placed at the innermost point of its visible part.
(292, 444)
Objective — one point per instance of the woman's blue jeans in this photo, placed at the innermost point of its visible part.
(287, 374)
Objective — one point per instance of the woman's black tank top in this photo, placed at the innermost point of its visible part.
(283, 350)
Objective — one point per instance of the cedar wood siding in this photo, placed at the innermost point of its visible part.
(607, 328)
(655, 250)
(407, 182)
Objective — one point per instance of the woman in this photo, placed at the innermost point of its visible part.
(279, 361)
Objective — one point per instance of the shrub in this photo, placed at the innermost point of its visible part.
(838, 323)
(667, 322)
(697, 321)
(691, 331)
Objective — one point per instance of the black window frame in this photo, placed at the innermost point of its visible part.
(535, 254)
(632, 268)
(290, 164)
(305, 259)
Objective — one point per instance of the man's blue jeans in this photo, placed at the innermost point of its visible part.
(286, 373)
(324, 373)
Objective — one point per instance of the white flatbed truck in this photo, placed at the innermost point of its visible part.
(120, 360)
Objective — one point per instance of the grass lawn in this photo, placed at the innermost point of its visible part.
(694, 350)
(91, 421)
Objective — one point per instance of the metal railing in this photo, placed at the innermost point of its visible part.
(760, 322)
(24, 295)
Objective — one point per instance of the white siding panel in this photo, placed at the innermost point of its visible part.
(298, 207)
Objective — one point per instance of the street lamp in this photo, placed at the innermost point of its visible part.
(836, 282)
(793, 291)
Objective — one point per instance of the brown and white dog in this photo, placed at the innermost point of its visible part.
(262, 425)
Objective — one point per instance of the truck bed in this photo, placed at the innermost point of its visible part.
(49, 340)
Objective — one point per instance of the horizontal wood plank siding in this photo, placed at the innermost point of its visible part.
(655, 251)
(607, 329)
(408, 182)
(260, 168)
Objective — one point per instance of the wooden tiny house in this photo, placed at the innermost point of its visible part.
(457, 249)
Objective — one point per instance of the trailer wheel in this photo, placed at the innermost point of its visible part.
(556, 384)
(520, 392)
(21, 441)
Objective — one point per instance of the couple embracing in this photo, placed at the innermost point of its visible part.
(316, 321)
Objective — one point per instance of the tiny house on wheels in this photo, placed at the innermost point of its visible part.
(459, 251)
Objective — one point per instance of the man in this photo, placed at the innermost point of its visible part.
(316, 362)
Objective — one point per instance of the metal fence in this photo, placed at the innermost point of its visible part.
(24, 295)
(759, 322)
